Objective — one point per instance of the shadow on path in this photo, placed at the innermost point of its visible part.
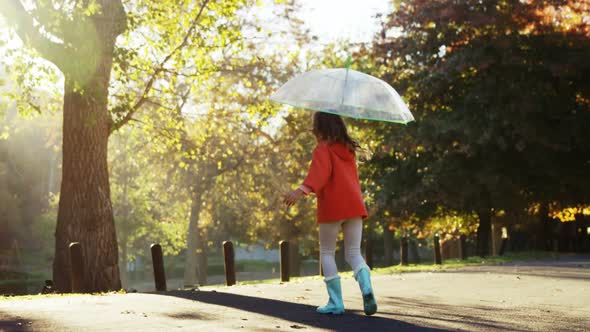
(299, 313)
(486, 317)
(568, 267)
(15, 324)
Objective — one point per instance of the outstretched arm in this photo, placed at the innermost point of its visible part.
(317, 177)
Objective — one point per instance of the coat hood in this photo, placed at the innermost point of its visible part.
(342, 151)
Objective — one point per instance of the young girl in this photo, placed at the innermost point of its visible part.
(334, 179)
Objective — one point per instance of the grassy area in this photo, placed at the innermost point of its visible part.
(427, 267)
(40, 296)
(470, 261)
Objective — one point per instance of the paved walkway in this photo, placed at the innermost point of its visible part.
(538, 296)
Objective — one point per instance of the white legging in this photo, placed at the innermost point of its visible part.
(353, 233)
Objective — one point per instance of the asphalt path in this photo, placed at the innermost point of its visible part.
(551, 295)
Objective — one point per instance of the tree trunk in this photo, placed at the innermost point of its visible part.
(190, 267)
(85, 212)
(484, 232)
(202, 257)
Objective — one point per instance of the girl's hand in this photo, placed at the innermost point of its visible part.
(291, 198)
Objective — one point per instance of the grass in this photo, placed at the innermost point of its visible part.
(470, 261)
(425, 267)
(53, 295)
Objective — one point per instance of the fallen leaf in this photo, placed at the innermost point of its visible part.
(295, 326)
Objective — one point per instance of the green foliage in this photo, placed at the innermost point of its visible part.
(500, 102)
(28, 167)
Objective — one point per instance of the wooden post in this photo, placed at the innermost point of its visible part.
(230, 267)
(77, 267)
(404, 251)
(437, 257)
(158, 263)
(463, 242)
(284, 251)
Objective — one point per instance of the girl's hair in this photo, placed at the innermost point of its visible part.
(331, 128)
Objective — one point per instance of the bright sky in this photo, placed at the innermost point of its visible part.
(333, 20)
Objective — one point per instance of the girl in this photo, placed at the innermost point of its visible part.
(334, 179)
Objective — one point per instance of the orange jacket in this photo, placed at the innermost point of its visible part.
(333, 177)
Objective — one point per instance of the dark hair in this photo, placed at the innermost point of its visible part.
(331, 128)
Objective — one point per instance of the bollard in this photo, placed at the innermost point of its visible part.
(463, 242)
(437, 258)
(404, 251)
(503, 246)
(77, 268)
(230, 267)
(284, 251)
(158, 262)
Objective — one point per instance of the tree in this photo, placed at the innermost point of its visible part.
(105, 84)
(500, 96)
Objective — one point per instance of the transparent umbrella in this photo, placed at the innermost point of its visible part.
(345, 92)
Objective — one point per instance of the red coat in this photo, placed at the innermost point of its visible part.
(333, 177)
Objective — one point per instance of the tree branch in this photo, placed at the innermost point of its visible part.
(22, 21)
(144, 96)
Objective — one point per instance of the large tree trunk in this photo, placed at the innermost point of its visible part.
(484, 232)
(190, 267)
(85, 212)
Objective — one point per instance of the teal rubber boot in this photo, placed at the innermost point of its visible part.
(335, 305)
(363, 276)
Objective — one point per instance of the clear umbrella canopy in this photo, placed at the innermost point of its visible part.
(344, 92)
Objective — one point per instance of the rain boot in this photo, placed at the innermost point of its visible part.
(335, 305)
(363, 276)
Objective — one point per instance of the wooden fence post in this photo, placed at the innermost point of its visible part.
(437, 256)
(404, 250)
(284, 252)
(77, 268)
(158, 264)
(230, 267)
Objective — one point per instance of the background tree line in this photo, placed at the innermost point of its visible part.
(196, 154)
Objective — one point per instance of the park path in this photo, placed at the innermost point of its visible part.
(537, 296)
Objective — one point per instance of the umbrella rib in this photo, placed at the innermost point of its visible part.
(344, 87)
